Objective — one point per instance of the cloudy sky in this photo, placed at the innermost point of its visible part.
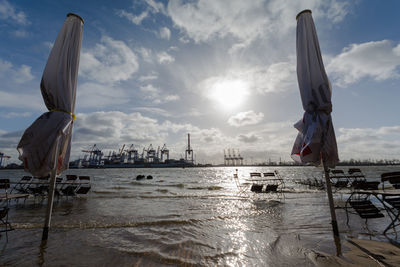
(224, 71)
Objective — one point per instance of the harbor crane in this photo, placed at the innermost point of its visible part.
(132, 150)
(151, 154)
(3, 156)
(95, 155)
(232, 159)
(189, 151)
(164, 151)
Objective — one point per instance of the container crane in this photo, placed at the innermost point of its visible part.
(164, 151)
(151, 153)
(3, 156)
(189, 151)
(95, 155)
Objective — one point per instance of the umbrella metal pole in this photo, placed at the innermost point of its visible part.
(335, 228)
(50, 196)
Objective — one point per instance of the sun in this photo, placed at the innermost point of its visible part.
(229, 94)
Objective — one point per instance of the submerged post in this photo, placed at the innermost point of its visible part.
(50, 196)
(335, 228)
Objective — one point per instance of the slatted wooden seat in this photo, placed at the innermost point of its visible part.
(271, 188)
(256, 188)
(361, 202)
(366, 209)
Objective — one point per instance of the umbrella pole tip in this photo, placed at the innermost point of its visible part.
(45, 233)
(75, 15)
(301, 12)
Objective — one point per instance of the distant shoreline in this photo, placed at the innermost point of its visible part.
(214, 166)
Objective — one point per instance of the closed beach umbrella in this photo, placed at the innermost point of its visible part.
(316, 141)
(45, 146)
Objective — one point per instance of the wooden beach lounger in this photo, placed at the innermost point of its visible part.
(362, 204)
(358, 180)
(338, 179)
(393, 178)
(83, 188)
(266, 183)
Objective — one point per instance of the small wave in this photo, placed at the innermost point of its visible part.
(176, 185)
(103, 192)
(210, 188)
(215, 188)
(96, 225)
(119, 187)
(162, 190)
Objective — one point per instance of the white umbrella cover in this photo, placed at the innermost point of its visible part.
(316, 138)
(37, 146)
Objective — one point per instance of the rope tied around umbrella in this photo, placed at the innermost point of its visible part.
(63, 111)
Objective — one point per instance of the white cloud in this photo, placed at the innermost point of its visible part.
(165, 58)
(21, 33)
(153, 111)
(377, 60)
(23, 74)
(204, 20)
(152, 7)
(156, 95)
(108, 62)
(17, 75)
(131, 17)
(246, 118)
(8, 144)
(369, 143)
(276, 77)
(11, 115)
(156, 7)
(248, 138)
(95, 95)
(115, 127)
(23, 100)
(8, 12)
(165, 33)
(149, 77)
(146, 54)
(169, 98)
(337, 11)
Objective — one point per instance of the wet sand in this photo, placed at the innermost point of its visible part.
(360, 253)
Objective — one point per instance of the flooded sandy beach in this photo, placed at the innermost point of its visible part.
(187, 217)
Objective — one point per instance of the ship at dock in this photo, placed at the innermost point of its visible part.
(133, 157)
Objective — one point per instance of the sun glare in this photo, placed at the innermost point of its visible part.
(229, 94)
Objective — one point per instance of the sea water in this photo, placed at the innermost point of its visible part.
(183, 216)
